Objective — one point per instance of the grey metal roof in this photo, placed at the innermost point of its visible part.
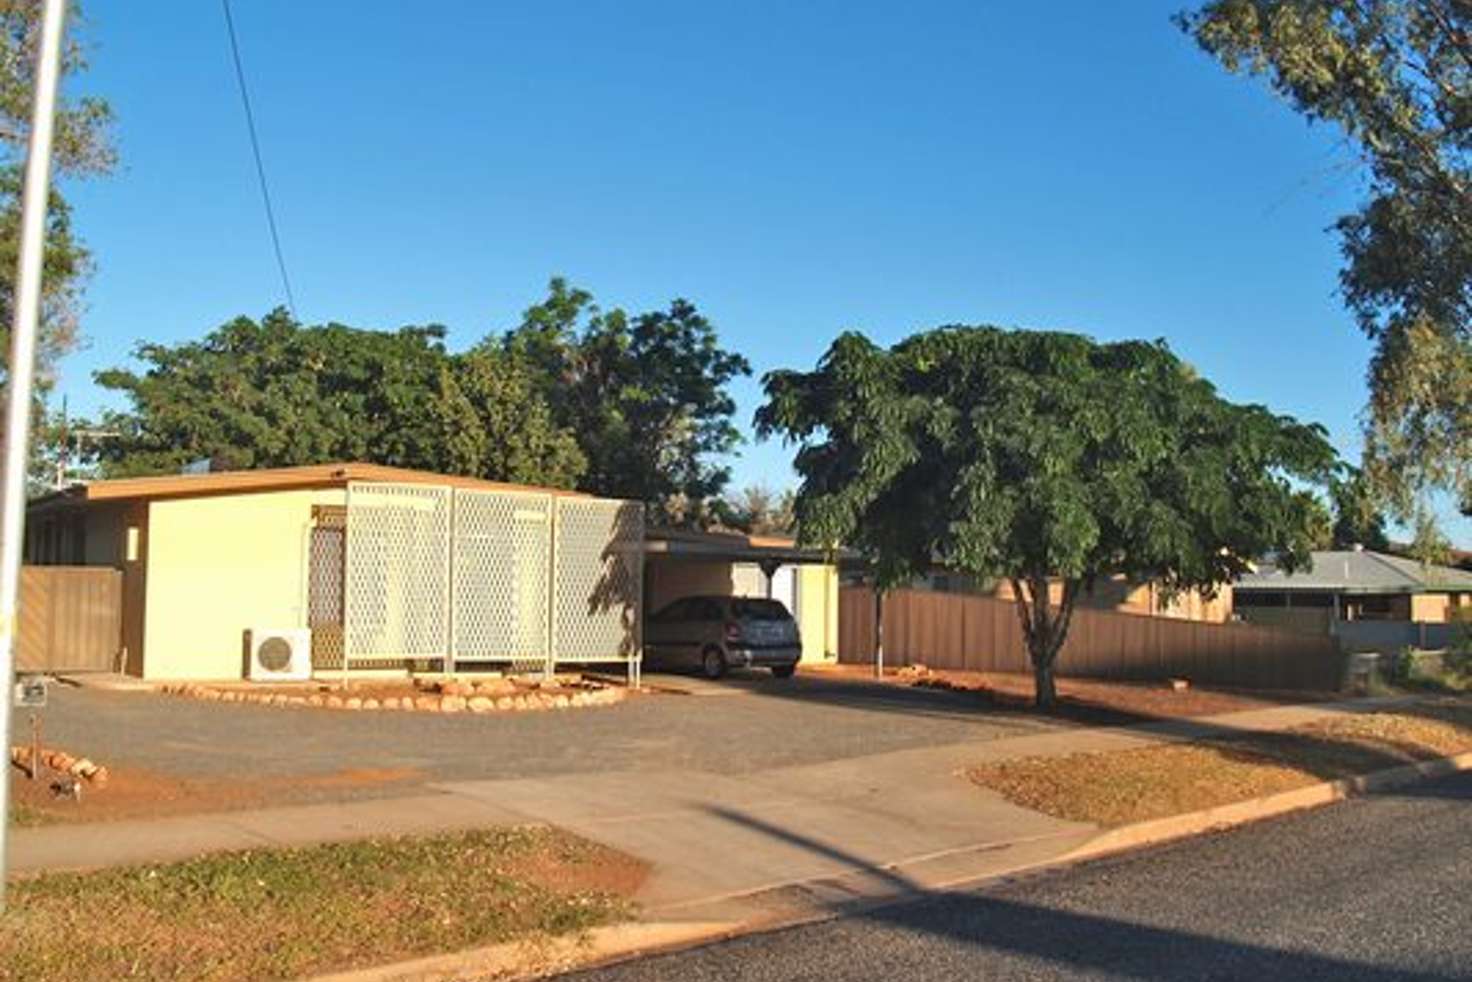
(1359, 571)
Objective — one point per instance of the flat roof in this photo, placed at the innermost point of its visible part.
(1358, 571)
(273, 479)
(690, 544)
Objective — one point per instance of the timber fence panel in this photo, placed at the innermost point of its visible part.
(69, 619)
(960, 631)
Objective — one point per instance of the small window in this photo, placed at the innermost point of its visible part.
(756, 609)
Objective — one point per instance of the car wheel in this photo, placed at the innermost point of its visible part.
(712, 663)
(783, 671)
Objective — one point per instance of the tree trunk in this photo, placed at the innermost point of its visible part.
(1045, 687)
(1044, 631)
(878, 633)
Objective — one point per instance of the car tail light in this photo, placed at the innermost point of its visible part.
(733, 631)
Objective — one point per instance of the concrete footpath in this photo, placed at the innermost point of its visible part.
(714, 842)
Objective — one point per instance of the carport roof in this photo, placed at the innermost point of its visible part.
(1358, 571)
(733, 546)
(271, 479)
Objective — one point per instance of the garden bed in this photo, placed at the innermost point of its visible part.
(479, 694)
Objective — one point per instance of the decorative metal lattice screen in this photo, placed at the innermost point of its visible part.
(324, 594)
(397, 590)
(598, 574)
(502, 576)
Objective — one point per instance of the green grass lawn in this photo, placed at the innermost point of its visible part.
(273, 914)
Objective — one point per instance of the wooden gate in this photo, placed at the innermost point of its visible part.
(70, 619)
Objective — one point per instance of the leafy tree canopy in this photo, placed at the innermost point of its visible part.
(1357, 518)
(273, 393)
(646, 395)
(628, 406)
(1039, 457)
(1396, 77)
(82, 146)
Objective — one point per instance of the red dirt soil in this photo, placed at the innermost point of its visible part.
(137, 793)
(1089, 701)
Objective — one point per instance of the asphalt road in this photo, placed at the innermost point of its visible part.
(1376, 889)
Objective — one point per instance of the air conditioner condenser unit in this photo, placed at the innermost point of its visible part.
(280, 654)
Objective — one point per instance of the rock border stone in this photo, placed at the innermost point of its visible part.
(81, 768)
(452, 696)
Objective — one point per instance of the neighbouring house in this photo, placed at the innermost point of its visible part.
(681, 563)
(1368, 599)
(389, 568)
(1116, 593)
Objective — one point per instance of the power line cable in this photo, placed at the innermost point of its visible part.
(255, 146)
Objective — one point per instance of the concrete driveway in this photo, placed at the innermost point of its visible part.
(743, 725)
(724, 787)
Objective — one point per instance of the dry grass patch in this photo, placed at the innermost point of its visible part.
(277, 914)
(1153, 782)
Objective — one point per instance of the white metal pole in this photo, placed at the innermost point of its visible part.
(23, 367)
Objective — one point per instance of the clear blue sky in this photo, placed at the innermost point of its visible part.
(793, 169)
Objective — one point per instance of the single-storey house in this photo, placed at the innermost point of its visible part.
(1116, 593)
(1346, 588)
(392, 569)
(388, 567)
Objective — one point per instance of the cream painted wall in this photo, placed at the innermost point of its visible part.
(747, 580)
(817, 595)
(217, 566)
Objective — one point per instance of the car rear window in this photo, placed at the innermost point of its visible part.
(759, 610)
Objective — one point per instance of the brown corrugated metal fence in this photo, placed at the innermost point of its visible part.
(956, 631)
(70, 619)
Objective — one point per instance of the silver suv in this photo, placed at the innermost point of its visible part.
(715, 633)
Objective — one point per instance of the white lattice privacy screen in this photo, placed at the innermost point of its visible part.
(491, 576)
(598, 574)
(502, 569)
(397, 591)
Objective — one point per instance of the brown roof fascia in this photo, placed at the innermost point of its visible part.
(278, 479)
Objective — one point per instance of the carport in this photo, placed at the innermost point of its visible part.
(681, 563)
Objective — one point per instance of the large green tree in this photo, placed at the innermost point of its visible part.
(574, 396)
(646, 395)
(1358, 520)
(273, 393)
(1395, 76)
(82, 147)
(495, 423)
(1045, 458)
